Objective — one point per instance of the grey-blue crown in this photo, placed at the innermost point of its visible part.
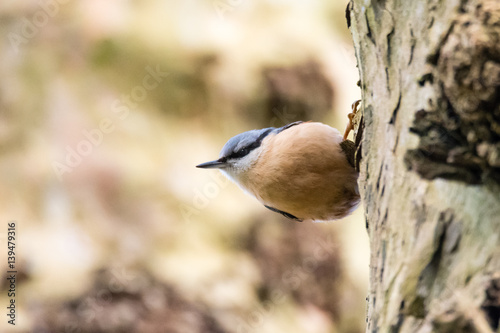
(242, 144)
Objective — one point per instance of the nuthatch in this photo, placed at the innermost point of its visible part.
(304, 170)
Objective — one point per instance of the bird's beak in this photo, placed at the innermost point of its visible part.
(217, 164)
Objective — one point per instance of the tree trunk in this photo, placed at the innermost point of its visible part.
(429, 162)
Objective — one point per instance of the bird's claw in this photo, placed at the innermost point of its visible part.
(350, 126)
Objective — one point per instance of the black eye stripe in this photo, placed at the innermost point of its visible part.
(246, 150)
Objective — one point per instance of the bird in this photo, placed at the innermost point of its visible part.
(303, 170)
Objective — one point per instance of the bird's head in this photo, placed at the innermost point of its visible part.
(240, 153)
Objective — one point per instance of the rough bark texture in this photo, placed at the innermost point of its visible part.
(430, 162)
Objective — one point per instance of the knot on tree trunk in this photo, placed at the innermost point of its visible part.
(460, 135)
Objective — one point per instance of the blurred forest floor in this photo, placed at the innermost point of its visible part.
(105, 109)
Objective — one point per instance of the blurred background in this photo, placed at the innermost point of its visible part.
(105, 109)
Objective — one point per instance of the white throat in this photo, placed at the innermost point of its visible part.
(239, 167)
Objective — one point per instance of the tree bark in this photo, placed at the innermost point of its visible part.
(429, 162)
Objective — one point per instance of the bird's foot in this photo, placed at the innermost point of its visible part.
(350, 126)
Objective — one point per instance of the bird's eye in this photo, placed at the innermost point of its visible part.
(243, 151)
